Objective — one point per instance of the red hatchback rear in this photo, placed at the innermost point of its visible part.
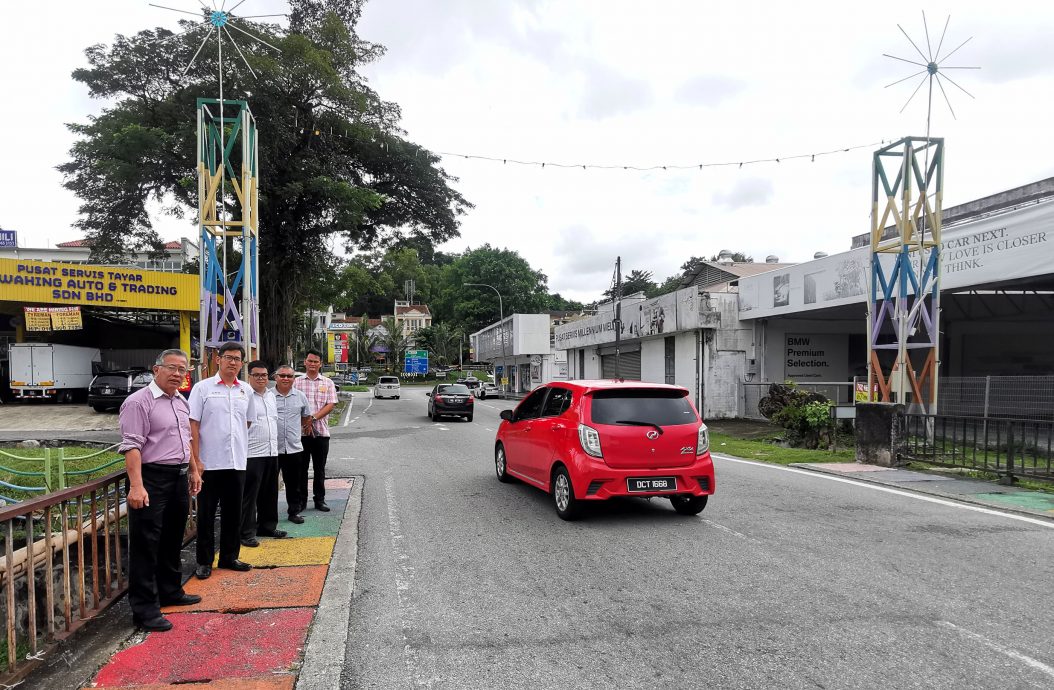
(591, 440)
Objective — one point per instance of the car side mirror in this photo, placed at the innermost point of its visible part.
(506, 415)
(428, 394)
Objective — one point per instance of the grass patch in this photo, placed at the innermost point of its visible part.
(767, 451)
(33, 461)
(355, 389)
(336, 412)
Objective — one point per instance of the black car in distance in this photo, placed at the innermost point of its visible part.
(450, 399)
(110, 388)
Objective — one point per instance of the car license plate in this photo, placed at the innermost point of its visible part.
(107, 391)
(645, 484)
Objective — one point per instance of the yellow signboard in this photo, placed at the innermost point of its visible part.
(123, 287)
(66, 319)
(37, 318)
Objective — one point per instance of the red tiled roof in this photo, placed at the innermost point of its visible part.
(86, 243)
(422, 308)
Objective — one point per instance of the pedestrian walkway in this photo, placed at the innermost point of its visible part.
(250, 629)
(1007, 498)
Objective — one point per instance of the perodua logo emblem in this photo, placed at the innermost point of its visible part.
(652, 435)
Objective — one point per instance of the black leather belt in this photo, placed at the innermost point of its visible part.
(170, 469)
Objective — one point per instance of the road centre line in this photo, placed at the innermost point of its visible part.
(885, 489)
(404, 575)
(1017, 656)
(730, 531)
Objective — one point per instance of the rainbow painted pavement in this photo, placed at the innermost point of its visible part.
(250, 629)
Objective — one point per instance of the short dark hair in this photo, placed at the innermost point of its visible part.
(227, 347)
(256, 364)
(313, 352)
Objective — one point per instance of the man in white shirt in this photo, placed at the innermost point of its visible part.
(260, 497)
(221, 409)
(294, 413)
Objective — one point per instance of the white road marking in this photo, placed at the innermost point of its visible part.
(885, 489)
(730, 531)
(404, 575)
(359, 416)
(1017, 656)
(347, 412)
(487, 428)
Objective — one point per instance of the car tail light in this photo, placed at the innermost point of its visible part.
(590, 440)
(439, 398)
(470, 400)
(703, 443)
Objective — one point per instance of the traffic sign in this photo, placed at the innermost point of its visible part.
(416, 362)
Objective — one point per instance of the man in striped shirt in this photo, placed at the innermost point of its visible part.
(321, 395)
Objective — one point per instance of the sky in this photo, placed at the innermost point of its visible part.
(621, 84)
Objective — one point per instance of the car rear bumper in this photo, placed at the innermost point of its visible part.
(595, 481)
(453, 409)
(386, 393)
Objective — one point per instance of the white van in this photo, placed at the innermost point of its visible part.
(387, 387)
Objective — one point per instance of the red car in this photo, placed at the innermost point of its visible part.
(592, 440)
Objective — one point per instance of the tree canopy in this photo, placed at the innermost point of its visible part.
(333, 161)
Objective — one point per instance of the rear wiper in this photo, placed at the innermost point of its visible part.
(635, 422)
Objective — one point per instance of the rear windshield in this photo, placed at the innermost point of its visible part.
(388, 379)
(454, 389)
(114, 380)
(654, 406)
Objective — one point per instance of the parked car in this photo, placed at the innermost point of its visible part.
(487, 390)
(450, 399)
(593, 440)
(470, 382)
(387, 387)
(110, 388)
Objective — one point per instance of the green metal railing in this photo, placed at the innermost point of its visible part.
(54, 474)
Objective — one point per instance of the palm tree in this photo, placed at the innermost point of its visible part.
(441, 341)
(362, 342)
(395, 341)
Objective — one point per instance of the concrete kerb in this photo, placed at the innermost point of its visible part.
(867, 478)
(328, 637)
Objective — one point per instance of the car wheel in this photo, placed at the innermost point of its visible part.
(430, 414)
(688, 505)
(99, 408)
(501, 467)
(468, 418)
(564, 495)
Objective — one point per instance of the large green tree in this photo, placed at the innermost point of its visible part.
(333, 161)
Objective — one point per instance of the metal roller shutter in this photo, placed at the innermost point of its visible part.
(630, 366)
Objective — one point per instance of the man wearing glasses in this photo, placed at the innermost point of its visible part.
(294, 413)
(221, 409)
(321, 395)
(163, 474)
(260, 499)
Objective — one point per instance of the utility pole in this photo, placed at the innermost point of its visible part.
(618, 317)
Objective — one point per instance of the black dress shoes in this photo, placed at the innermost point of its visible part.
(240, 566)
(202, 572)
(277, 534)
(296, 519)
(181, 600)
(157, 624)
(251, 542)
(321, 505)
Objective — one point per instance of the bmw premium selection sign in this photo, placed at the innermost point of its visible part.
(816, 357)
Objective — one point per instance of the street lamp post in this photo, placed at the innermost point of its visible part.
(501, 329)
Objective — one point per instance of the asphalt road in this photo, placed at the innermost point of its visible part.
(787, 580)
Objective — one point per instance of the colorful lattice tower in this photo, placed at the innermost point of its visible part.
(904, 311)
(228, 179)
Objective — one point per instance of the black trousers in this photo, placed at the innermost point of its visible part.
(294, 474)
(223, 488)
(155, 539)
(260, 497)
(316, 448)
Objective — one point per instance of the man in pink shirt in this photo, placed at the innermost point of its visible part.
(163, 474)
(321, 395)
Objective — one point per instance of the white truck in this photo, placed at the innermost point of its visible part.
(44, 371)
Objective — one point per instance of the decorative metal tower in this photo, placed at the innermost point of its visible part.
(229, 306)
(228, 196)
(903, 320)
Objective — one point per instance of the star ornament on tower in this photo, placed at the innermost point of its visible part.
(217, 21)
(933, 67)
